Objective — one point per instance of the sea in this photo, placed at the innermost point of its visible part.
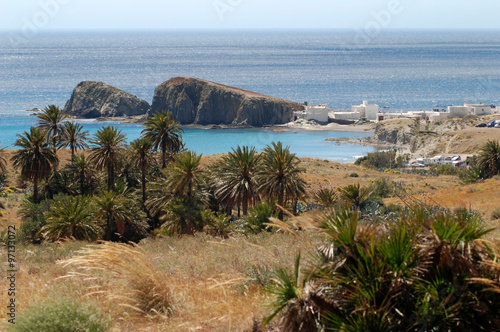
(398, 70)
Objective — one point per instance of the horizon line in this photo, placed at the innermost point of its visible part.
(253, 29)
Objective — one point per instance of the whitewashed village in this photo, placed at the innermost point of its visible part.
(371, 112)
(367, 112)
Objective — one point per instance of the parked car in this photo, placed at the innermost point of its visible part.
(491, 124)
(481, 125)
(417, 165)
(497, 125)
(459, 163)
(456, 158)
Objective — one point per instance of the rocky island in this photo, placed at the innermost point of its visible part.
(96, 99)
(196, 101)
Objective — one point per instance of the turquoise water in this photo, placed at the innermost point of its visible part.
(211, 141)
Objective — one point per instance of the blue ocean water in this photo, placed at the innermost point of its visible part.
(398, 70)
(211, 141)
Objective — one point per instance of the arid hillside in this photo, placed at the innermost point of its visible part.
(450, 136)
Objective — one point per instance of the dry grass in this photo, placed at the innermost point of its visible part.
(214, 285)
(123, 275)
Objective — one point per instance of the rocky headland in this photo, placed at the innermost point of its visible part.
(422, 140)
(92, 100)
(196, 101)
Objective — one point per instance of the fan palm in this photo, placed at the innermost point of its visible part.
(50, 120)
(71, 217)
(35, 159)
(73, 137)
(236, 180)
(355, 195)
(109, 145)
(165, 133)
(279, 175)
(326, 197)
(489, 158)
(142, 157)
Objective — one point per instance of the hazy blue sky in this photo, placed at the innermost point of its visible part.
(253, 14)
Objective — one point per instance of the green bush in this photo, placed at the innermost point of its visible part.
(354, 175)
(445, 169)
(259, 216)
(33, 217)
(471, 175)
(66, 315)
(382, 159)
(384, 187)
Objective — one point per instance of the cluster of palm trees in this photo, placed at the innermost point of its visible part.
(427, 269)
(171, 186)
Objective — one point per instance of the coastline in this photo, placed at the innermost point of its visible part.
(290, 126)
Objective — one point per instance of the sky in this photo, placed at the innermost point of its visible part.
(248, 14)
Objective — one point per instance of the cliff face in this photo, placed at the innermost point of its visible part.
(397, 131)
(97, 99)
(195, 101)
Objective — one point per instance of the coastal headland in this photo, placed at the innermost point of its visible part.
(190, 100)
(200, 103)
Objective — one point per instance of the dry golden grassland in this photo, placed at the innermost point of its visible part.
(213, 284)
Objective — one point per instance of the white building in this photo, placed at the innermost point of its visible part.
(479, 109)
(347, 115)
(456, 111)
(318, 113)
(452, 112)
(368, 111)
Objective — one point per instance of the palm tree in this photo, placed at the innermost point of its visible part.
(141, 155)
(34, 158)
(111, 208)
(73, 137)
(236, 180)
(82, 169)
(165, 133)
(50, 120)
(279, 176)
(71, 217)
(185, 175)
(355, 195)
(489, 158)
(3, 161)
(109, 145)
(326, 197)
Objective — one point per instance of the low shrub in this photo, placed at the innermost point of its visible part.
(471, 175)
(326, 196)
(445, 169)
(381, 159)
(384, 187)
(33, 216)
(495, 215)
(259, 216)
(68, 315)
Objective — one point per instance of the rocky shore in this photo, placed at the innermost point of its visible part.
(421, 139)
